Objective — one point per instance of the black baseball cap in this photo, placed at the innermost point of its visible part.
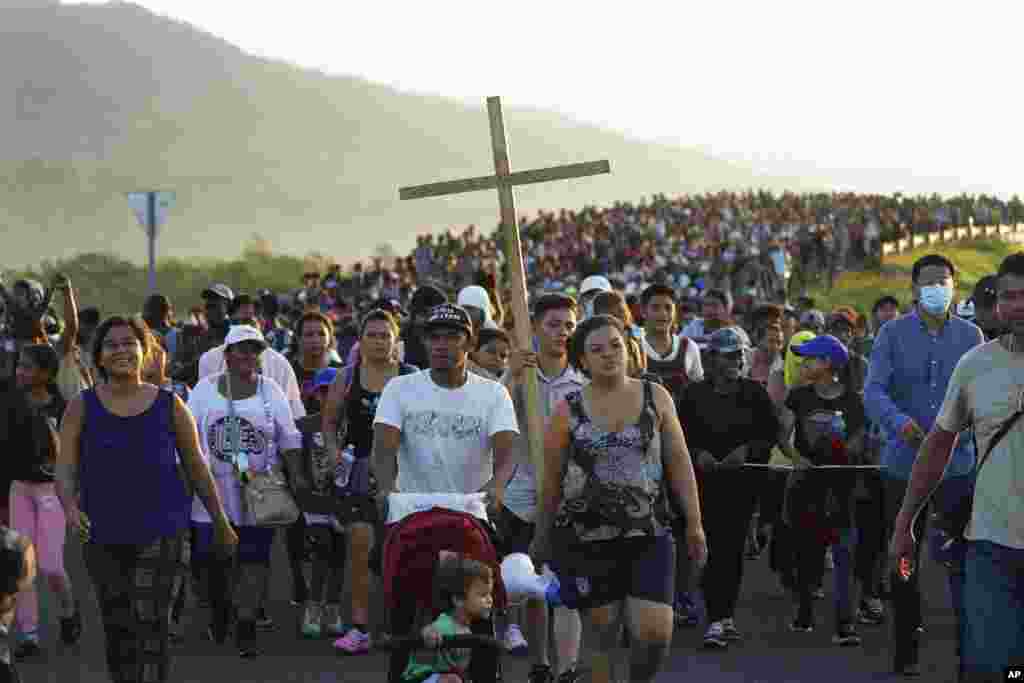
(450, 316)
(218, 291)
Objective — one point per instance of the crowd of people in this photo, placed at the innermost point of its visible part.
(683, 432)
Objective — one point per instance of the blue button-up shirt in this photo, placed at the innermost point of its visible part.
(907, 379)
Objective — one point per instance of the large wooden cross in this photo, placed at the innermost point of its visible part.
(504, 181)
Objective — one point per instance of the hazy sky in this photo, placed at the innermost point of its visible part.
(924, 85)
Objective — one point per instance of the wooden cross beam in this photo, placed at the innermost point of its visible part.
(504, 181)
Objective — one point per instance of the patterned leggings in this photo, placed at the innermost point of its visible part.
(135, 587)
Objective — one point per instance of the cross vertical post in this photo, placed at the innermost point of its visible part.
(517, 273)
(504, 181)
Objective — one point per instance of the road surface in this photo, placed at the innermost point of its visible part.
(768, 654)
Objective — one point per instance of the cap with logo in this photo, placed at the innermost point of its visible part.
(727, 340)
(218, 291)
(825, 346)
(450, 316)
(239, 334)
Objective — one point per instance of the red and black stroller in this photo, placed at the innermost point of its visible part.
(419, 528)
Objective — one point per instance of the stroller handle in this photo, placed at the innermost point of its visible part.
(466, 641)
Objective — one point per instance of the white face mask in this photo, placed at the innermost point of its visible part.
(935, 299)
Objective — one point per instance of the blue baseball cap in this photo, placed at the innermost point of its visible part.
(825, 346)
(727, 340)
(324, 378)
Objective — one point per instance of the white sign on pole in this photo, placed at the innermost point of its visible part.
(139, 201)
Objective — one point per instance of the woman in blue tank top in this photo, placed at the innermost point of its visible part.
(124, 492)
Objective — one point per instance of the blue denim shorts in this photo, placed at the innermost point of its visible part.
(993, 629)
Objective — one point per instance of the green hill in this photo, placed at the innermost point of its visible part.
(111, 98)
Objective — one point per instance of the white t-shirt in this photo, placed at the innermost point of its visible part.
(446, 433)
(984, 391)
(272, 364)
(267, 428)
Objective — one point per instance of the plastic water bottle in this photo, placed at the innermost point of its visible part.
(839, 425)
(343, 470)
(838, 428)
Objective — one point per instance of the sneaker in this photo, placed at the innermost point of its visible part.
(829, 562)
(846, 636)
(801, 625)
(540, 673)
(311, 620)
(515, 643)
(730, 631)
(245, 640)
(71, 627)
(818, 593)
(714, 637)
(29, 647)
(570, 676)
(264, 622)
(871, 612)
(355, 642)
(685, 611)
(332, 622)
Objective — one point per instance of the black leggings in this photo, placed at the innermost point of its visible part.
(295, 541)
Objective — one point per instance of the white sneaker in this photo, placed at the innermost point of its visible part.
(829, 564)
(515, 643)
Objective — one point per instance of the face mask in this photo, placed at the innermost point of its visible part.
(935, 299)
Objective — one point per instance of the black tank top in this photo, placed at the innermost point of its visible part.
(360, 409)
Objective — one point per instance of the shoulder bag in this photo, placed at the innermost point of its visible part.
(266, 494)
(955, 520)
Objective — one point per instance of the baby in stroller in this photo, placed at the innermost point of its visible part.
(431, 541)
(467, 587)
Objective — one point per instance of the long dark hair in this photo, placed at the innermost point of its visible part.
(577, 344)
(138, 329)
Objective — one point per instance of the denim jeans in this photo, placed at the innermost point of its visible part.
(993, 628)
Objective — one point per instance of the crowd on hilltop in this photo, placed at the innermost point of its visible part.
(705, 239)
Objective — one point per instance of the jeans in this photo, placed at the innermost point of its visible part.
(993, 626)
(727, 504)
(869, 517)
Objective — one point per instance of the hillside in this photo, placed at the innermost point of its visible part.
(111, 98)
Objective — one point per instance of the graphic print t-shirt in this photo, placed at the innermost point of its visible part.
(261, 435)
(445, 446)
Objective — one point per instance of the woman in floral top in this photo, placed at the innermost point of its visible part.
(612, 448)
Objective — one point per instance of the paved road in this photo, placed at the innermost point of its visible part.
(769, 654)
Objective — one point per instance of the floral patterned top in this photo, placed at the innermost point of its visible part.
(612, 485)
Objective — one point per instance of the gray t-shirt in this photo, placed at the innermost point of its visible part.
(985, 389)
(521, 492)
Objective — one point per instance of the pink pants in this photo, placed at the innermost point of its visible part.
(37, 513)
